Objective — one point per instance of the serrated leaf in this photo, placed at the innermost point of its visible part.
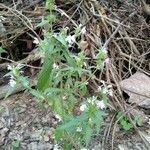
(51, 18)
(61, 39)
(53, 90)
(74, 121)
(43, 80)
(37, 94)
(58, 106)
(42, 23)
(10, 91)
(71, 62)
(98, 120)
(138, 121)
(58, 134)
(126, 125)
(88, 135)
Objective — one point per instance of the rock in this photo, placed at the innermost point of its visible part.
(146, 135)
(122, 147)
(1, 125)
(1, 140)
(3, 133)
(138, 88)
(35, 136)
(45, 146)
(97, 147)
(15, 135)
(132, 146)
(39, 146)
(138, 113)
(32, 146)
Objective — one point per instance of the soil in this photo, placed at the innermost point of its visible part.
(23, 121)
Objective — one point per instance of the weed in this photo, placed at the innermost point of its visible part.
(124, 122)
(63, 84)
(2, 109)
(16, 144)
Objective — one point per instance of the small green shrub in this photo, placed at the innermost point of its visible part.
(63, 84)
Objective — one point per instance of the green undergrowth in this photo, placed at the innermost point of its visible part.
(64, 84)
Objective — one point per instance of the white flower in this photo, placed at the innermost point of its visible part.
(19, 66)
(58, 117)
(92, 100)
(12, 82)
(36, 41)
(83, 30)
(99, 89)
(67, 28)
(106, 61)
(80, 25)
(109, 86)
(83, 107)
(104, 50)
(79, 129)
(83, 149)
(102, 81)
(100, 104)
(64, 97)
(55, 66)
(110, 92)
(84, 63)
(56, 147)
(70, 39)
(9, 67)
(11, 76)
(105, 90)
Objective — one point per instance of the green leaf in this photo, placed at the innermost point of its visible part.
(2, 50)
(138, 121)
(100, 59)
(83, 89)
(50, 5)
(59, 134)
(71, 103)
(58, 106)
(10, 91)
(73, 122)
(37, 94)
(88, 135)
(43, 79)
(98, 120)
(71, 62)
(51, 18)
(42, 23)
(120, 115)
(53, 90)
(61, 38)
(77, 32)
(2, 109)
(126, 125)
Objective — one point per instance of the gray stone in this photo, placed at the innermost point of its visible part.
(32, 146)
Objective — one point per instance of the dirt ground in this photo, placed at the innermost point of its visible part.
(25, 126)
